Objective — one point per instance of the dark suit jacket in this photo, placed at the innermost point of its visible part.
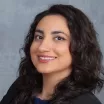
(87, 98)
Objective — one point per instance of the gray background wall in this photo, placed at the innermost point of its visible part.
(15, 18)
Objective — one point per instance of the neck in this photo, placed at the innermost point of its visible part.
(50, 80)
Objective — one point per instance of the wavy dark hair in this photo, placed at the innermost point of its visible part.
(86, 60)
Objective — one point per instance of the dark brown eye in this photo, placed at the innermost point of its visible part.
(59, 38)
(38, 37)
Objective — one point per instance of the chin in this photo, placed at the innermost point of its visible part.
(46, 71)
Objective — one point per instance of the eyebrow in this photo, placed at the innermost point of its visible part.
(39, 31)
(53, 32)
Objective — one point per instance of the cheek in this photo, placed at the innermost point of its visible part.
(33, 48)
(63, 53)
(33, 51)
(62, 49)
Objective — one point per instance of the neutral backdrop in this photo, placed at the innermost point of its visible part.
(15, 19)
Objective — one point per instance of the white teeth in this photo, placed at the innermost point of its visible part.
(46, 58)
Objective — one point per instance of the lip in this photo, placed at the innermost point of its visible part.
(45, 60)
(46, 56)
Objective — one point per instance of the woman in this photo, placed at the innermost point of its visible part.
(62, 62)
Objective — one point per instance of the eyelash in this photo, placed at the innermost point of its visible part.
(35, 37)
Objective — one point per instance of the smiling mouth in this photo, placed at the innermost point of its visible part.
(46, 59)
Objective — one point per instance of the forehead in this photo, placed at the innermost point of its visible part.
(53, 22)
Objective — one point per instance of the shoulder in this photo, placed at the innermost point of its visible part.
(11, 93)
(87, 98)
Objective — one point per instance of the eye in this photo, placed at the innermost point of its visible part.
(38, 37)
(59, 38)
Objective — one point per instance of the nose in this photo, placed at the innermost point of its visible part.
(45, 45)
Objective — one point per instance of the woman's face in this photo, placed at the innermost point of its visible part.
(50, 48)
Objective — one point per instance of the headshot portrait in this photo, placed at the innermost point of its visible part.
(61, 59)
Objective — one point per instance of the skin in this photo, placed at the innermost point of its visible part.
(52, 38)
